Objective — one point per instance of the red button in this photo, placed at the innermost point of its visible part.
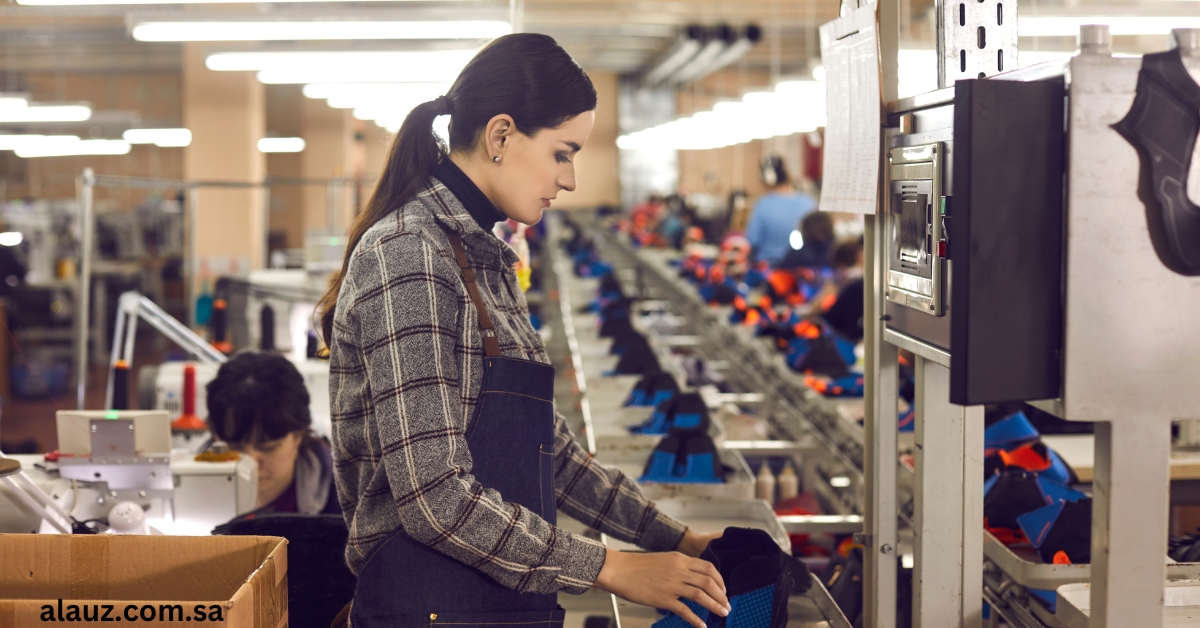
(941, 248)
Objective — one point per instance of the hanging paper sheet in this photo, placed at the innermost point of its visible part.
(850, 53)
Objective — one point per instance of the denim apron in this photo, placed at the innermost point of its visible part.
(511, 438)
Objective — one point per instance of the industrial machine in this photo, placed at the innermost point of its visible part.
(109, 457)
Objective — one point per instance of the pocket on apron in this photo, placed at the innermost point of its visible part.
(533, 619)
(546, 480)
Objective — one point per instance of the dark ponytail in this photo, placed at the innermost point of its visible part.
(527, 76)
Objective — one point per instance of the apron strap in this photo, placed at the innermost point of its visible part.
(491, 346)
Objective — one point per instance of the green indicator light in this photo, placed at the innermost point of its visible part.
(112, 414)
(943, 206)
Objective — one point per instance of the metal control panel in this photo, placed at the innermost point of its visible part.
(915, 229)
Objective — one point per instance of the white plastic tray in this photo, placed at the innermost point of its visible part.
(1181, 602)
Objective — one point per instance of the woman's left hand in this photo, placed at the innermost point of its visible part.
(693, 543)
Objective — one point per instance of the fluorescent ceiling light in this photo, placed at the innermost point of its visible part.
(66, 146)
(11, 142)
(346, 61)
(159, 137)
(105, 2)
(45, 113)
(346, 67)
(293, 76)
(1068, 26)
(792, 107)
(263, 30)
(281, 144)
(11, 238)
(374, 90)
(12, 101)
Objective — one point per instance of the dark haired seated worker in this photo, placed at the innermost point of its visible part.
(258, 404)
(450, 456)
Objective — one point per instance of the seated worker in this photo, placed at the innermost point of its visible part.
(258, 404)
(776, 213)
(816, 230)
(846, 314)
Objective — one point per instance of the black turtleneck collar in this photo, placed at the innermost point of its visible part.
(469, 194)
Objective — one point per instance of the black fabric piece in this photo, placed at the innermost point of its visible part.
(846, 314)
(654, 382)
(319, 582)
(1071, 533)
(610, 284)
(724, 294)
(814, 254)
(749, 559)
(843, 578)
(1163, 124)
(687, 403)
(637, 358)
(823, 358)
(469, 194)
(1184, 549)
(1014, 494)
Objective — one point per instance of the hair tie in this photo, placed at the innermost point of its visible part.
(442, 105)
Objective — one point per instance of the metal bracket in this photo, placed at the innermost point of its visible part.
(978, 38)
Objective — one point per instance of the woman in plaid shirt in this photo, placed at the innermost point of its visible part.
(450, 459)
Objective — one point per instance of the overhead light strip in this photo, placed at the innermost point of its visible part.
(1068, 26)
(163, 138)
(61, 3)
(281, 144)
(14, 112)
(263, 30)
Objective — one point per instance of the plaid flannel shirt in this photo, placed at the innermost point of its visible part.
(406, 362)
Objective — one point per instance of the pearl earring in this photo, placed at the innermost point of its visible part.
(496, 159)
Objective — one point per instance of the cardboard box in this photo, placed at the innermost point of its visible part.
(208, 581)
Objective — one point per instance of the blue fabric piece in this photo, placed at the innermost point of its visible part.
(797, 350)
(636, 398)
(1013, 430)
(844, 347)
(699, 469)
(751, 609)
(1055, 492)
(989, 483)
(1048, 598)
(687, 421)
(1058, 470)
(661, 396)
(908, 420)
(675, 621)
(660, 469)
(1036, 524)
(772, 222)
(656, 424)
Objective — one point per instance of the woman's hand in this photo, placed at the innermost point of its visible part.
(659, 580)
(693, 544)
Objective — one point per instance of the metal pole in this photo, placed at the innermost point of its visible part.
(266, 225)
(330, 204)
(118, 332)
(1129, 523)
(87, 190)
(879, 459)
(882, 379)
(192, 263)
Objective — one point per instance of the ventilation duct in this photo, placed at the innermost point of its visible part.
(721, 38)
(679, 54)
(751, 35)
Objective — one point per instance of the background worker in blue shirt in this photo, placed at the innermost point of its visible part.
(776, 213)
